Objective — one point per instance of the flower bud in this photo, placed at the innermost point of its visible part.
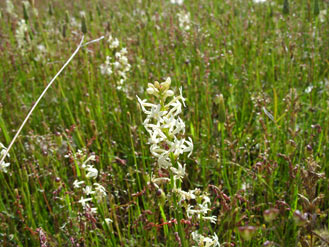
(169, 93)
(270, 214)
(67, 17)
(157, 85)
(219, 100)
(50, 9)
(150, 90)
(285, 9)
(166, 85)
(84, 25)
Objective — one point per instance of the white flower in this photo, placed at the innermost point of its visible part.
(176, 108)
(83, 201)
(322, 15)
(157, 136)
(123, 60)
(88, 190)
(164, 162)
(185, 195)
(179, 2)
(20, 35)
(178, 146)
(76, 183)
(100, 191)
(90, 209)
(191, 211)
(184, 20)
(124, 51)
(116, 65)
(93, 210)
(157, 151)
(158, 181)
(114, 43)
(205, 241)
(90, 158)
(212, 219)
(10, 8)
(181, 96)
(108, 220)
(179, 172)
(106, 68)
(92, 172)
(3, 165)
(156, 113)
(259, 1)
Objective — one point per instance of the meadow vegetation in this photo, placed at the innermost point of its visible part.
(191, 123)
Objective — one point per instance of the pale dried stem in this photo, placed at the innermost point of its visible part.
(43, 93)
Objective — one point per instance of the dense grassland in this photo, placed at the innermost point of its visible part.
(260, 152)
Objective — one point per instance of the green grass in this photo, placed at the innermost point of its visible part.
(260, 59)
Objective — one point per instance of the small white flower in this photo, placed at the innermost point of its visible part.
(156, 137)
(100, 191)
(309, 89)
(179, 2)
(114, 44)
(116, 65)
(179, 172)
(76, 183)
(93, 210)
(157, 151)
(322, 15)
(108, 220)
(124, 51)
(205, 241)
(83, 201)
(164, 161)
(184, 20)
(88, 190)
(185, 195)
(92, 172)
(156, 113)
(212, 219)
(10, 8)
(90, 158)
(161, 180)
(3, 165)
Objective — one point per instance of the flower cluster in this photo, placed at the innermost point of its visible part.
(89, 189)
(202, 208)
(117, 65)
(165, 129)
(164, 126)
(205, 241)
(20, 35)
(184, 19)
(10, 8)
(3, 165)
